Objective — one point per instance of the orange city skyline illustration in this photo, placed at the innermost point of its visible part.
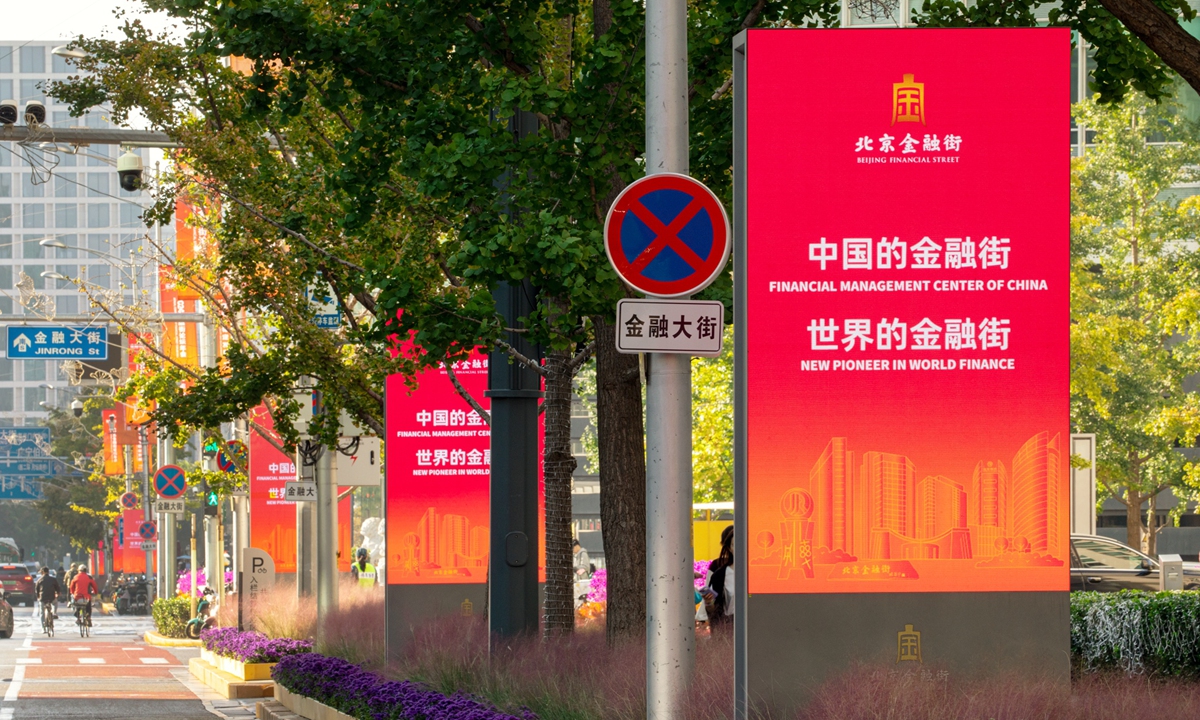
(444, 545)
(869, 516)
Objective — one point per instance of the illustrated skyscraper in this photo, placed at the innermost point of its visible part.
(1035, 491)
(990, 513)
(831, 480)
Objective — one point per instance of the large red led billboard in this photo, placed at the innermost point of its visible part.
(272, 518)
(906, 280)
(437, 459)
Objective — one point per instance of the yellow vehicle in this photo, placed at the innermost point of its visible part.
(708, 520)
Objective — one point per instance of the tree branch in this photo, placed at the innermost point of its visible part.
(462, 392)
(1161, 33)
(516, 355)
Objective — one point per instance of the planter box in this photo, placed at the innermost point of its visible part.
(307, 707)
(237, 668)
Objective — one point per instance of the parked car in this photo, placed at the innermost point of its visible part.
(6, 616)
(17, 582)
(1106, 565)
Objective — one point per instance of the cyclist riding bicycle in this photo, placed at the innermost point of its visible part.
(83, 588)
(47, 589)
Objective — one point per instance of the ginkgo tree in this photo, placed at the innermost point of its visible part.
(1135, 305)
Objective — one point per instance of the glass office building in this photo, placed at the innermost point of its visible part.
(72, 196)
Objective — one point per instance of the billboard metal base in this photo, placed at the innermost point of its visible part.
(800, 641)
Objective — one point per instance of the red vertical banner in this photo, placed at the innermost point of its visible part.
(345, 530)
(907, 280)
(272, 519)
(118, 547)
(437, 457)
(134, 558)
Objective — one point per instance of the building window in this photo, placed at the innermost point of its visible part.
(98, 216)
(95, 153)
(6, 62)
(6, 246)
(60, 64)
(6, 282)
(69, 251)
(31, 189)
(34, 398)
(32, 247)
(5, 185)
(33, 215)
(35, 369)
(33, 59)
(6, 370)
(64, 185)
(35, 273)
(31, 90)
(97, 183)
(66, 215)
(6, 399)
(5, 215)
(67, 305)
(131, 215)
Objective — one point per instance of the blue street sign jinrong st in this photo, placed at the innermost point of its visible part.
(57, 342)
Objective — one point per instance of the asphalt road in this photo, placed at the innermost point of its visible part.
(112, 674)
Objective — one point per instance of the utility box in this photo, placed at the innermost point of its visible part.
(1170, 574)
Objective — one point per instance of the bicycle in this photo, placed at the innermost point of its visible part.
(83, 617)
(48, 618)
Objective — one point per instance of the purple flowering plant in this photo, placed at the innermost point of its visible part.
(348, 688)
(249, 646)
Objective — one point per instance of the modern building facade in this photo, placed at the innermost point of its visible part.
(72, 196)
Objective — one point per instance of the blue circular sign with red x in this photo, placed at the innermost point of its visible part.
(667, 235)
(148, 530)
(231, 456)
(170, 482)
(129, 501)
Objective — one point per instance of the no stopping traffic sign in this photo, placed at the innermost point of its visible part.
(667, 235)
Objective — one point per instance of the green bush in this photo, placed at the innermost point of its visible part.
(171, 616)
(1138, 632)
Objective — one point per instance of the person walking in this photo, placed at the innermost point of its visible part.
(363, 571)
(718, 585)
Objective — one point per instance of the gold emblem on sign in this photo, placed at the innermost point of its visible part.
(467, 608)
(908, 645)
(908, 101)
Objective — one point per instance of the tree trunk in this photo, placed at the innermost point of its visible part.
(1162, 33)
(622, 484)
(559, 465)
(1151, 544)
(1133, 518)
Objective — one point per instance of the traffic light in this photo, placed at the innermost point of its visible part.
(211, 448)
(212, 504)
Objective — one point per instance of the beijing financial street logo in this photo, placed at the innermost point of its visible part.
(929, 145)
(908, 101)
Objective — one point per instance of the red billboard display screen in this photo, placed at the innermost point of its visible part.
(437, 459)
(906, 279)
(272, 519)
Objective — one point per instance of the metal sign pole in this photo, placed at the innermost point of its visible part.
(670, 633)
(326, 522)
(147, 508)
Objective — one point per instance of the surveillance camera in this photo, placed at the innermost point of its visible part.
(8, 112)
(77, 407)
(129, 169)
(35, 113)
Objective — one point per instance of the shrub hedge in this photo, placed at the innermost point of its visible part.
(1137, 632)
(171, 616)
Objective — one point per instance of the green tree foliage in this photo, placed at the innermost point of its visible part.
(712, 425)
(1135, 302)
(80, 504)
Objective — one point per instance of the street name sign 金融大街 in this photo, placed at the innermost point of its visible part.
(299, 491)
(169, 506)
(57, 342)
(687, 327)
(667, 235)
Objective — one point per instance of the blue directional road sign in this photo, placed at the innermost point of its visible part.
(17, 488)
(23, 441)
(57, 342)
(170, 482)
(29, 467)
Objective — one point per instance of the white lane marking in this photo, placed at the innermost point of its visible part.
(154, 661)
(84, 649)
(91, 661)
(14, 687)
(133, 649)
(29, 661)
(6, 713)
